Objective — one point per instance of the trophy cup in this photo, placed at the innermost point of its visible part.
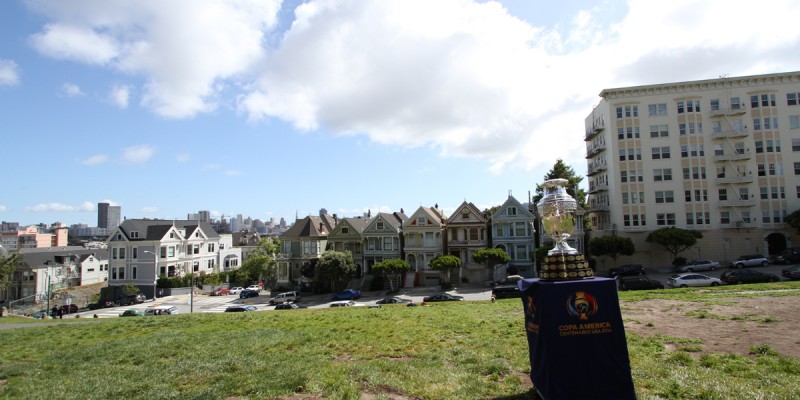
(557, 212)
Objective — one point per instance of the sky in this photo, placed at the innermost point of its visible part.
(276, 109)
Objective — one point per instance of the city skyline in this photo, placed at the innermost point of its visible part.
(277, 109)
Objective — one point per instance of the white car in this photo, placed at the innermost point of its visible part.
(237, 290)
(284, 297)
(254, 288)
(700, 265)
(692, 280)
(347, 303)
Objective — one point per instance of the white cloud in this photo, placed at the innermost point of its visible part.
(71, 90)
(233, 172)
(138, 154)
(9, 73)
(95, 160)
(110, 202)
(119, 95)
(182, 47)
(182, 158)
(61, 207)
(149, 210)
(3, 208)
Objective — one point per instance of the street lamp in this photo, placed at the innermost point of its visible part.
(155, 271)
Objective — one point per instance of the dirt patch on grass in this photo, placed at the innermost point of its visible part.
(731, 325)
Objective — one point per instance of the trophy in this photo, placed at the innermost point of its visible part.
(557, 213)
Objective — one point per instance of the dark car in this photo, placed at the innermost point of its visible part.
(442, 297)
(347, 294)
(390, 300)
(792, 272)
(100, 304)
(137, 298)
(506, 292)
(789, 256)
(240, 308)
(132, 313)
(288, 306)
(747, 276)
(639, 283)
(626, 270)
(247, 293)
(68, 309)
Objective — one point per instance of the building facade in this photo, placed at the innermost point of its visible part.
(467, 232)
(513, 231)
(108, 216)
(423, 240)
(719, 156)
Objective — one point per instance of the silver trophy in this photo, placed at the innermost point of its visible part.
(557, 211)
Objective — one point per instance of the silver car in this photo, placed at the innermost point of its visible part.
(752, 260)
(692, 280)
(700, 265)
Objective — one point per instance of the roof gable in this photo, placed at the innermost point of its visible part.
(466, 213)
(511, 201)
(431, 218)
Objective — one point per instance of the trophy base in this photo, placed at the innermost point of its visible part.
(565, 267)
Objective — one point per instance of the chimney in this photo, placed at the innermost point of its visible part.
(335, 219)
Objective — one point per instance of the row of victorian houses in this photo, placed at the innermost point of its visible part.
(140, 251)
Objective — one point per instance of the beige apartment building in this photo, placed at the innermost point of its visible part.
(721, 156)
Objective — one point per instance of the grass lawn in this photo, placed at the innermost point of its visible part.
(459, 350)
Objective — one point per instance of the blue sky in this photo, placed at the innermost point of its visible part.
(274, 109)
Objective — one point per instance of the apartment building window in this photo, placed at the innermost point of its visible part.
(688, 106)
(714, 104)
(767, 100)
(759, 146)
(756, 124)
(660, 152)
(631, 132)
(794, 122)
(797, 191)
(699, 195)
(662, 174)
(738, 147)
(659, 131)
(778, 192)
(791, 99)
(776, 148)
(519, 229)
(745, 216)
(665, 219)
(721, 172)
(633, 220)
(724, 217)
(764, 193)
(694, 173)
(797, 168)
(765, 216)
(744, 194)
(619, 112)
(620, 133)
(775, 169)
(737, 125)
(735, 103)
(631, 111)
(698, 218)
(657, 110)
(665, 196)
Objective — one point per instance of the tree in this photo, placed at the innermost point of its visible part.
(491, 257)
(130, 289)
(674, 240)
(612, 246)
(335, 267)
(445, 264)
(260, 263)
(392, 269)
(8, 264)
(563, 171)
(793, 220)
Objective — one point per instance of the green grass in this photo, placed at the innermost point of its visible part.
(469, 350)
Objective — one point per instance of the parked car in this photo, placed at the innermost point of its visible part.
(626, 270)
(137, 298)
(100, 304)
(284, 297)
(241, 308)
(254, 287)
(639, 283)
(391, 300)
(692, 280)
(247, 293)
(68, 308)
(132, 313)
(509, 280)
(699, 265)
(347, 303)
(792, 272)
(750, 260)
(288, 306)
(236, 290)
(40, 314)
(347, 294)
(220, 292)
(747, 276)
(789, 256)
(442, 297)
(161, 310)
(506, 292)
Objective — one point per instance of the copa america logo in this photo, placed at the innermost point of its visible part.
(581, 305)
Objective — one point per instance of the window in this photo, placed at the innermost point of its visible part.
(660, 152)
(498, 230)
(694, 173)
(623, 176)
(735, 104)
(631, 111)
(659, 131)
(619, 112)
(699, 218)
(662, 174)
(756, 124)
(761, 170)
(620, 133)
(122, 253)
(420, 220)
(666, 196)
(210, 248)
(387, 243)
(716, 127)
(745, 216)
(163, 252)
(797, 191)
(133, 273)
(465, 215)
(744, 194)
(171, 251)
(473, 233)
(714, 104)
(657, 110)
(795, 144)
(794, 122)
(134, 252)
(759, 146)
(519, 229)
(345, 230)
(665, 219)
(720, 172)
(520, 252)
(379, 225)
(134, 234)
(724, 217)
(512, 210)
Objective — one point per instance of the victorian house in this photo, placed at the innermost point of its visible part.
(423, 241)
(347, 235)
(383, 238)
(513, 231)
(467, 232)
(301, 247)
